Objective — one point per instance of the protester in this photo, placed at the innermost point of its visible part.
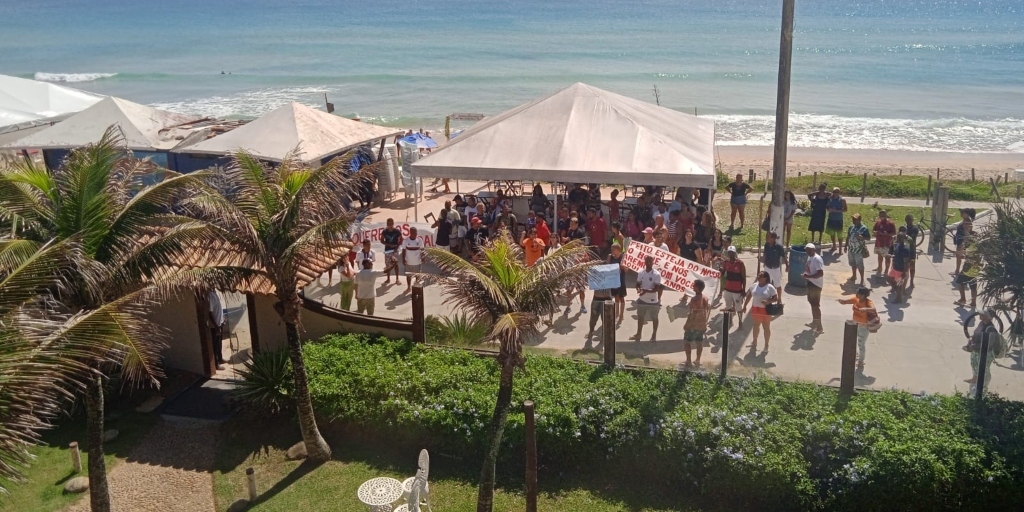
(531, 219)
(913, 232)
(704, 231)
(689, 249)
(617, 237)
(597, 232)
(862, 309)
(444, 226)
(648, 236)
(815, 276)
(471, 210)
(366, 253)
(735, 273)
(974, 345)
(901, 256)
(575, 232)
(619, 293)
(761, 293)
(648, 301)
(632, 227)
(476, 236)
(509, 220)
(578, 196)
(366, 283)
(533, 246)
(346, 285)
(539, 201)
(673, 232)
(967, 278)
(774, 260)
(392, 239)
(963, 231)
(412, 256)
(543, 232)
(597, 309)
(819, 210)
(738, 200)
(857, 237)
(834, 224)
(659, 241)
(716, 247)
(613, 206)
(789, 209)
(696, 325)
(885, 232)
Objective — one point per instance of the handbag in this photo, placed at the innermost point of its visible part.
(864, 252)
(766, 224)
(773, 309)
(874, 322)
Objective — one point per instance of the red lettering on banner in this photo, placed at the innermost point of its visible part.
(677, 273)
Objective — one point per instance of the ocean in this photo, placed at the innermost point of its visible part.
(925, 75)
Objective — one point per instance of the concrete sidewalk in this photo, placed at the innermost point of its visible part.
(917, 349)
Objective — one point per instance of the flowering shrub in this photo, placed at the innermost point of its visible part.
(748, 443)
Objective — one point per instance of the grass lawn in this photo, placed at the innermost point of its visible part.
(746, 238)
(43, 488)
(893, 186)
(287, 486)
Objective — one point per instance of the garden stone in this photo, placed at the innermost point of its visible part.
(239, 505)
(110, 435)
(296, 452)
(77, 485)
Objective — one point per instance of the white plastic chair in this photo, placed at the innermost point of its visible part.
(417, 489)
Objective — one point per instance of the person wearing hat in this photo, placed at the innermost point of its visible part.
(862, 309)
(735, 273)
(815, 276)
(857, 237)
(885, 232)
(963, 231)
(476, 236)
(974, 345)
(834, 224)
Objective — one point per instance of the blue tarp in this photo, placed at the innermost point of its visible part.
(421, 141)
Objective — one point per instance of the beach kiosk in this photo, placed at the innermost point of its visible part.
(582, 134)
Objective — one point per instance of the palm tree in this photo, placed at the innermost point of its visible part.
(512, 297)
(127, 239)
(1000, 248)
(289, 224)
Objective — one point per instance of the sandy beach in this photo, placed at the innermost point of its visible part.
(877, 161)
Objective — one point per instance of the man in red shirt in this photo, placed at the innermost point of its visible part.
(735, 283)
(597, 230)
(884, 233)
(543, 232)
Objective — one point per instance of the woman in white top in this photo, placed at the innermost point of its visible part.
(761, 293)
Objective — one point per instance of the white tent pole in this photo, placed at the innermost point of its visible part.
(554, 217)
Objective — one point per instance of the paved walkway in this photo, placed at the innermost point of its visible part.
(917, 349)
(170, 470)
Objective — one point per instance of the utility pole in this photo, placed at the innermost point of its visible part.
(782, 118)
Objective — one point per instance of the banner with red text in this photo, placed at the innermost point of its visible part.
(371, 231)
(676, 273)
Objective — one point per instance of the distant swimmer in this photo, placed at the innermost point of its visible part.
(222, 71)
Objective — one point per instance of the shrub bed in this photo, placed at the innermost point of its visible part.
(743, 443)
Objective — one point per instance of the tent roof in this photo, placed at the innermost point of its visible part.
(145, 128)
(316, 134)
(582, 134)
(24, 101)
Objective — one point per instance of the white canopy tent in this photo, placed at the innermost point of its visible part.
(582, 134)
(272, 137)
(25, 103)
(145, 128)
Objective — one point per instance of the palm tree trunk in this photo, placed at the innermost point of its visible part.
(316, 447)
(99, 495)
(485, 494)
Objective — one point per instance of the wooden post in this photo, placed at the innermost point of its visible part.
(1006, 178)
(815, 184)
(1018, 191)
(901, 172)
(76, 457)
(972, 174)
(608, 332)
(938, 174)
(863, 188)
(419, 325)
(798, 174)
(928, 193)
(531, 457)
(725, 345)
(250, 478)
(847, 372)
(750, 179)
(979, 395)
(939, 208)
(995, 189)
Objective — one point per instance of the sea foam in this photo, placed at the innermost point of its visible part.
(71, 77)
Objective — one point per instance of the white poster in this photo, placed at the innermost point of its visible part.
(676, 273)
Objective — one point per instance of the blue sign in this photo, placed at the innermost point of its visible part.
(605, 277)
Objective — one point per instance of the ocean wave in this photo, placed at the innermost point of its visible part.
(828, 131)
(249, 104)
(71, 77)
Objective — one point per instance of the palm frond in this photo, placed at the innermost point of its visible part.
(1000, 253)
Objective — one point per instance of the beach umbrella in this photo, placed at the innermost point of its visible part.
(421, 141)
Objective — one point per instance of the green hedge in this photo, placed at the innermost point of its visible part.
(746, 443)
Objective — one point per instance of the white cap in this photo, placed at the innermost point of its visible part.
(731, 248)
(810, 246)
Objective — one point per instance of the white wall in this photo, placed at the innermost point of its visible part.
(184, 350)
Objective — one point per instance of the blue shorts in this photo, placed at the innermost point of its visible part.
(739, 200)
